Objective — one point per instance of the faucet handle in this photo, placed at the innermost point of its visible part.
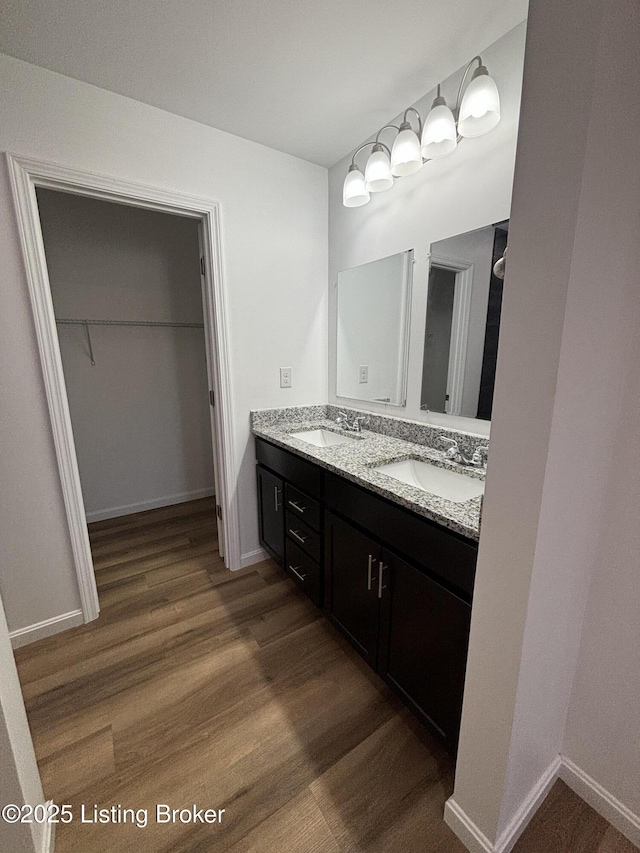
(452, 452)
(480, 453)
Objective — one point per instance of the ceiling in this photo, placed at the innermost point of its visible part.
(313, 79)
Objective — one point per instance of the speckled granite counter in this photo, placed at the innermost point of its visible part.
(356, 460)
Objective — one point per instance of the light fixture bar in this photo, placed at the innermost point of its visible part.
(476, 112)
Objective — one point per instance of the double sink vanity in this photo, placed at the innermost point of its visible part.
(376, 518)
(378, 524)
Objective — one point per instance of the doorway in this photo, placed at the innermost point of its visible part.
(127, 296)
(27, 178)
(446, 332)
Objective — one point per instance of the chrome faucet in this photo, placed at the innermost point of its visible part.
(479, 458)
(454, 453)
(354, 426)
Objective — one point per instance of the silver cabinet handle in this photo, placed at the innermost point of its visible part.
(298, 507)
(380, 586)
(276, 492)
(294, 569)
(297, 536)
(369, 571)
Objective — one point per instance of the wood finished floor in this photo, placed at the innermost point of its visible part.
(197, 686)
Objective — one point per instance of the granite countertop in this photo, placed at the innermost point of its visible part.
(355, 461)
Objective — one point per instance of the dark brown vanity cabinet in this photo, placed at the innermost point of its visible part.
(412, 630)
(290, 516)
(271, 513)
(353, 561)
(397, 585)
(424, 634)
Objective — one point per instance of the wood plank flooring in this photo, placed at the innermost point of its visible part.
(228, 691)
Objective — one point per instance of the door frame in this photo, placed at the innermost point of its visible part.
(459, 326)
(25, 175)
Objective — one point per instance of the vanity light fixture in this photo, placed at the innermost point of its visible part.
(439, 134)
(477, 111)
(377, 174)
(405, 154)
(354, 192)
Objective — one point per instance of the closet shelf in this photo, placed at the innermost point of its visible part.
(87, 323)
(130, 323)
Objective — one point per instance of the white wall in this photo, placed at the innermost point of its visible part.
(274, 234)
(462, 192)
(542, 228)
(475, 248)
(140, 415)
(556, 507)
(602, 734)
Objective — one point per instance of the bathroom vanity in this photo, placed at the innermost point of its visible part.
(391, 565)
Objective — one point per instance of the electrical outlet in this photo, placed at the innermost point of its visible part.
(363, 374)
(285, 377)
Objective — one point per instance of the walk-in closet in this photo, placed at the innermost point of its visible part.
(126, 288)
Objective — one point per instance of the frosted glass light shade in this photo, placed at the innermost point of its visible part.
(405, 154)
(439, 134)
(377, 175)
(480, 107)
(354, 192)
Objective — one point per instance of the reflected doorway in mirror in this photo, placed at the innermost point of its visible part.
(462, 322)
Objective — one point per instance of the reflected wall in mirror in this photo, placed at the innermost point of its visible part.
(373, 307)
(464, 301)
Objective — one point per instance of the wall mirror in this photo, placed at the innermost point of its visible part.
(464, 300)
(373, 311)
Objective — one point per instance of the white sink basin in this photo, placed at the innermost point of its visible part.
(322, 437)
(438, 481)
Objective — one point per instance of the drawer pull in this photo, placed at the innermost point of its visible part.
(298, 574)
(296, 535)
(297, 506)
(369, 581)
(380, 576)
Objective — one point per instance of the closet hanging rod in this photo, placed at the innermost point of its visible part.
(87, 323)
(169, 323)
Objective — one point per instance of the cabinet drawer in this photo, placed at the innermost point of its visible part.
(442, 552)
(304, 536)
(305, 475)
(302, 506)
(304, 571)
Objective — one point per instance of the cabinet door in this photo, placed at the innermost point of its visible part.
(424, 640)
(271, 512)
(352, 560)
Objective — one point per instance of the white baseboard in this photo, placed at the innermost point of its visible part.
(476, 841)
(529, 806)
(253, 557)
(601, 800)
(48, 842)
(31, 633)
(471, 836)
(143, 506)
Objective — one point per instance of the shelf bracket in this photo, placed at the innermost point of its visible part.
(86, 328)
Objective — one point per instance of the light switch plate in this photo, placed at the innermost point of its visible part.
(285, 377)
(363, 374)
